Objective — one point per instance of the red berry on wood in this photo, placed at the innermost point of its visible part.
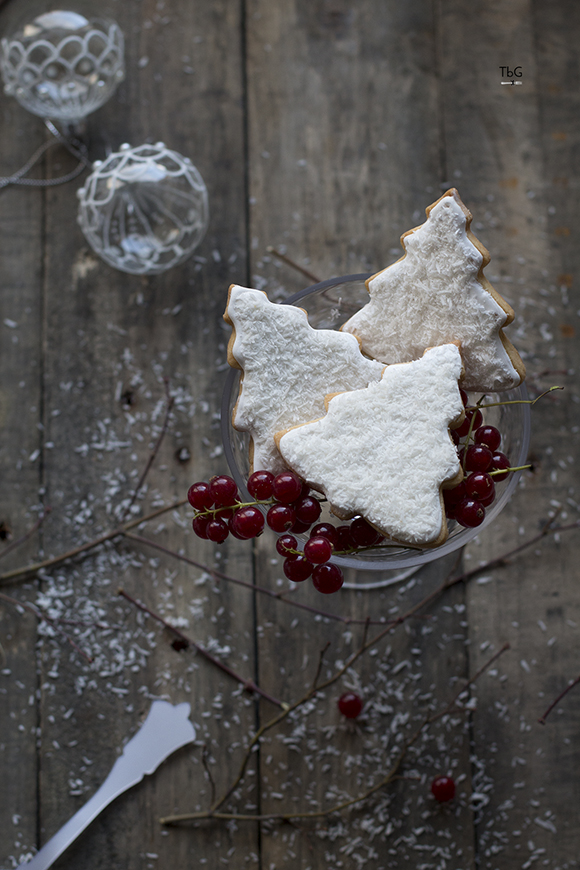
(285, 543)
(217, 531)
(223, 489)
(443, 789)
(327, 578)
(318, 550)
(280, 518)
(470, 513)
(307, 509)
(199, 525)
(287, 487)
(248, 522)
(297, 568)
(261, 485)
(488, 435)
(350, 705)
(499, 461)
(199, 496)
(478, 458)
(363, 534)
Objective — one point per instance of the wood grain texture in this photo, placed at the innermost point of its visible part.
(21, 230)
(323, 129)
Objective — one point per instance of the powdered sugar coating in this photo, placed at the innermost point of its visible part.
(436, 294)
(288, 367)
(384, 451)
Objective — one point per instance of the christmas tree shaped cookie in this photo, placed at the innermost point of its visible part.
(288, 368)
(385, 451)
(437, 293)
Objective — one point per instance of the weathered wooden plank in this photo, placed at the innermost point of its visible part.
(110, 340)
(501, 140)
(345, 154)
(21, 228)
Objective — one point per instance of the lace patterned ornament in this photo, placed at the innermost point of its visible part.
(144, 209)
(62, 65)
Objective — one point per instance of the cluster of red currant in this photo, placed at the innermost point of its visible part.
(291, 509)
(483, 465)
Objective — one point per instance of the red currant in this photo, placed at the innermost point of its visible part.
(284, 544)
(488, 435)
(325, 530)
(318, 550)
(307, 509)
(454, 436)
(223, 489)
(443, 789)
(470, 513)
(261, 485)
(452, 497)
(233, 530)
(299, 527)
(499, 461)
(248, 522)
(217, 531)
(327, 578)
(478, 458)
(350, 705)
(470, 413)
(199, 497)
(287, 487)
(479, 485)
(297, 568)
(199, 525)
(344, 539)
(362, 533)
(487, 500)
(280, 518)
(464, 397)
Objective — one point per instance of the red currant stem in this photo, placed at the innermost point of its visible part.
(507, 470)
(249, 685)
(522, 401)
(44, 617)
(35, 567)
(571, 684)
(169, 402)
(392, 774)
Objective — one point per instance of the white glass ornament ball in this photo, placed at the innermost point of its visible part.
(144, 209)
(63, 65)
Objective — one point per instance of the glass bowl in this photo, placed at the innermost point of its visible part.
(329, 304)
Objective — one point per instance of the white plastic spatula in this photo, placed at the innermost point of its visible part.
(166, 728)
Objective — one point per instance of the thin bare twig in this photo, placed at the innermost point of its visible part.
(27, 534)
(35, 567)
(219, 575)
(249, 685)
(319, 668)
(392, 774)
(170, 401)
(204, 761)
(571, 684)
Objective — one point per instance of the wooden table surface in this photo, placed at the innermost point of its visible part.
(322, 128)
